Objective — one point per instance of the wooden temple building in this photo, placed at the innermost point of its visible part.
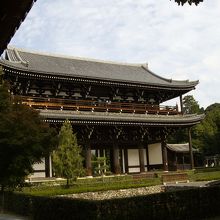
(179, 156)
(115, 108)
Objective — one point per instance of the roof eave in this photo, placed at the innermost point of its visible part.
(190, 86)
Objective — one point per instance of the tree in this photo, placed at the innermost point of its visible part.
(210, 130)
(67, 159)
(182, 2)
(100, 165)
(191, 106)
(24, 139)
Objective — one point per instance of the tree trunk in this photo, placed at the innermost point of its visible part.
(3, 199)
(67, 183)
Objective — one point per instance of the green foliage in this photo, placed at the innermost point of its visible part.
(100, 166)
(207, 134)
(191, 106)
(24, 139)
(5, 103)
(67, 159)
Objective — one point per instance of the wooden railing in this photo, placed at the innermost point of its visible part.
(98, 106)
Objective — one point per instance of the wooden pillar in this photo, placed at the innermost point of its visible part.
(183, 160)
(164, 153)
(176, 162)
(116, 164)
(181, 104)
(190, 149)
(141, 158)
(47, 166)
(126, 160)
(147, 157)
(88, 160)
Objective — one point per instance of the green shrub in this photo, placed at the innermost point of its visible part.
(194, 204)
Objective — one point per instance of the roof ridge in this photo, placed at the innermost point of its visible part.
(75, 57)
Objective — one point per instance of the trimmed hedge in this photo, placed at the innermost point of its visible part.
(194, 204)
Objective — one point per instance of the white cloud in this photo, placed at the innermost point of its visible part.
(177, 42)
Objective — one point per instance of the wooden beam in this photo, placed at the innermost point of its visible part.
(116, 164)
(190, 149)
(88, 160)
(141, 158)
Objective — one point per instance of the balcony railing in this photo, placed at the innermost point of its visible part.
(98, 106)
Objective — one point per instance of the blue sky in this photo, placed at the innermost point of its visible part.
(177, 42)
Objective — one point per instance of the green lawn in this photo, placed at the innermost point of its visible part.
(109, 183)
(90, 185)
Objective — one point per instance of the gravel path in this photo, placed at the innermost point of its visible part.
(122, 193)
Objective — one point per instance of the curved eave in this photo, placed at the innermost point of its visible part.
(125, 119)
(7, 66)
(13, 13)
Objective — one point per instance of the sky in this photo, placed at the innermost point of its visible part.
(178, 42)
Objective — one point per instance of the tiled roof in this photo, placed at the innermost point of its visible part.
(87, 68)
(180, 147)
(122, 118)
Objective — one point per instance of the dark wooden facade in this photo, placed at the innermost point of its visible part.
(112, 106)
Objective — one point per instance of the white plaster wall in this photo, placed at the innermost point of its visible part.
(133, 160)
(134, 170)
(133, 157)
(39, 174)
(155, 154)
(39, 166)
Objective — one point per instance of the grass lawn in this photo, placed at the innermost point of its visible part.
(109, 183)
(90, 185)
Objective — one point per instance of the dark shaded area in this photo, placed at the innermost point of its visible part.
(199, 203)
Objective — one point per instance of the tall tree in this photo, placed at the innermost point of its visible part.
(211, 130)
(67, 159)
(191, 106)
(24, 139)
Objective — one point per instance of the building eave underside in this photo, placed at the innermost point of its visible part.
(124, 119)
(100, 81)
(11, 16)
